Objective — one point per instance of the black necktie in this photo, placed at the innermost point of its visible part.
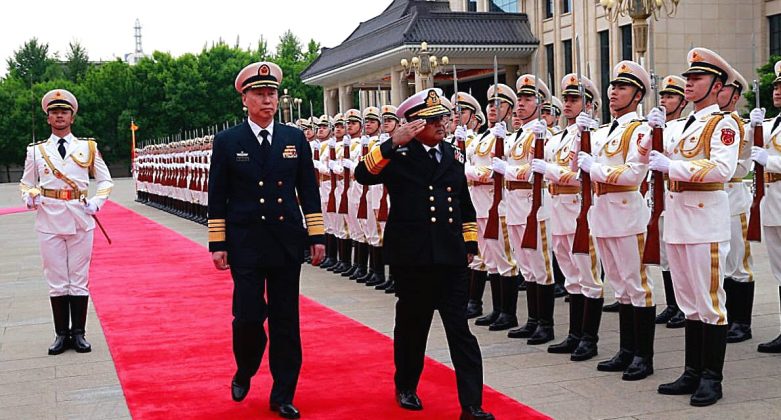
(265, 146)
(775, 124)
(433, 154)
(61, 148)
(613, 127)
(688, 122)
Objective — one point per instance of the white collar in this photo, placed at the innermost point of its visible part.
(706, 111)
(435, 147)
(256, 129)
(629, 116)
(68, 139)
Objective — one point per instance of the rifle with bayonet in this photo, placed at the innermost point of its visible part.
(754, 232)
(530, 239)
(492, 226)
(461, 142)
(362, 204)
(582, 243)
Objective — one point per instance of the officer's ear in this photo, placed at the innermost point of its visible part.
(244, 99)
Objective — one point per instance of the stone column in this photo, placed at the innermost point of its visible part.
(345, 98)
(511, 75)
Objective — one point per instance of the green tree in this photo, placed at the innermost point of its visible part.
(33, 64)
(77, 62)
(766, 76)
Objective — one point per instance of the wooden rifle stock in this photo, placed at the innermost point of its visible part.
(492, 227)
(581, 244)
(462, 146)
(529, 240)
(343, 202)
(382, 213)
(653, 243)
(754, 233)
(331, 206)
(317, 158)
(362, 204)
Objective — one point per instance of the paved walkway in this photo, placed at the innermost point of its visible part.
(34, 385)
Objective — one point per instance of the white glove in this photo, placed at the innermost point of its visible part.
(539, 166)
(757, 116)
(384, 136)
(319, 166)
(538, 128)
(460, 133)
(499, 166)
(499, 130)
(659, 162)
(365, 141)
(332, 143)
(347, 140)
(335, 167)
(657, 117)
(33, 202)
(585, 122)
(585, 161)
(348, 164)
(90, 207)
(759, 154)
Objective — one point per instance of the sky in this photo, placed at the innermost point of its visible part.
(105, 28)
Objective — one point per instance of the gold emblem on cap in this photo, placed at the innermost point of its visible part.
(527, 81)
(432, 99)
(696, 57)
(573, 80)
(624, 69)
(58, 94)
(263, 70)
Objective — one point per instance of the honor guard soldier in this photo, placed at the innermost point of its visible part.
(581, 271)
(699, 159)
(496, 254)
(769, 156)
(429, 238)
(739, 279)
(465, 135)
(260, 172)
(534, 264)
(551, 113)
(344, 245)
(55, 183)
(324, 135)
(619, 217)
(673, 101)
(373, 193)
(357, 243)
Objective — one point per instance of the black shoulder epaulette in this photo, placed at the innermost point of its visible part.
(722, 113)
(604, 125)
(682, 119)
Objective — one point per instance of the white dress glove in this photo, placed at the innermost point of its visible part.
(539, 166)
(365, 141)
(585, 161)
(90, 207)
(759, 154)
(347, 140)
(538, 128)
(460, 133)
(384, 136)
(33, 202)
(499, 166)
(332, 143)
(584, 122)
(657, 117)
(757, 116)
(335, 167)
(499, 130)
(659, 162)
(348, 164)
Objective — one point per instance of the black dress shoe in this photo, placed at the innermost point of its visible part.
(738, 332)
(666, 314)
(488, 319)
(677, 321)
(685, 384)
(391, 289)
(287, 410)
(640, 368)
(60, 344)
(475, 412)
(408, 400)
(504, 322)
(542, 335)
(239, 388)
(524, 331)
(474, 309)
(618, 363)
(707, 393)
(613, 307)
(559, 291)
(773, 346)
(587, 349)
(565, 347)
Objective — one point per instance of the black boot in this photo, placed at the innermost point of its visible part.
(355, 255)
(592, 317)
(669, 296)
(526, 330)
(576, 309)
(391, 289)
(371, 255)
(772, 346)
(378, 280)
(626, 350)
(643, 363)
(714, 347)
(545, 302)
(496, 300)
(363, 261)
(346, 260)
(612, 307)
(741, 309)
(688, 382)
(78, 305)
(330, 251)
(677, 321)
(558, 279)
(338, 254)
(508, 318)
(60, 313)
(474, 306)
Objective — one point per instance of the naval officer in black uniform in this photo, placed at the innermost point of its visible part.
(430, 237)
(258, 168)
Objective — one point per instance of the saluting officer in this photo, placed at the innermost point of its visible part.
(430, 237)
(55, 182)
(260, 171)
(699, 160)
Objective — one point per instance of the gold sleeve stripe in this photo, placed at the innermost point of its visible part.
(705, 167)
(216, 221)
(315, 230)
(617, 171)
(24, 187)
(375, 162)
(103, 192)
(217, 236)
(470, 231)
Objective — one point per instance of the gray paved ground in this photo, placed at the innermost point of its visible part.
(34, 385)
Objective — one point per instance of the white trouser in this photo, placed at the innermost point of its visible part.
(771, 235)
(342, 228)
(738, 263)
(374, 228)
(497, 254)
(535, 264)
(330, 221)
(356, 230)
(66, 260)
(698, 278)
(581, 271)
(622, 262)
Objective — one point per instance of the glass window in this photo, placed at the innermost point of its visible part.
(604, 72)
(566, 6)
(626, 42)
(551, 70)
(508, 6)
(471, 6)
(548, 9)
(774, 28)
(567, 47)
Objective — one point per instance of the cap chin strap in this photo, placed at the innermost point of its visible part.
(618, 111)
(710, 88)
(681, 104)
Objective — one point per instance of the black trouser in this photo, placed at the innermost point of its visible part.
(250, 310)
(421, 291)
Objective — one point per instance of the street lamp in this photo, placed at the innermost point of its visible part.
(639, 11)
(425, 65)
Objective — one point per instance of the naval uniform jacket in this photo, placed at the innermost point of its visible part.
(256, 204)
(431, 219)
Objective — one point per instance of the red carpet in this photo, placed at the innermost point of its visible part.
(166, 315)
(12, 210)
